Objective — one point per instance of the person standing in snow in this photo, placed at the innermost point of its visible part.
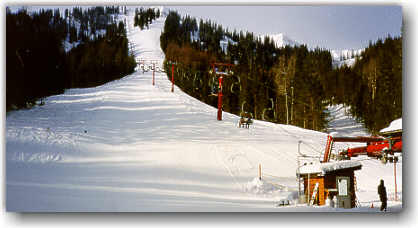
(381, 190)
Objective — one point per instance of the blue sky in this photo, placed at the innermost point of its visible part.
(331, 27)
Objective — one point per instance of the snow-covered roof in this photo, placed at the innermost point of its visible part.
(327, 167)
(395, 125)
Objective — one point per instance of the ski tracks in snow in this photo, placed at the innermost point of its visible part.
(43, 144)
(230, 160)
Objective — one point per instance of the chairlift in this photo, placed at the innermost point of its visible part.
(248, 115)
(214, 90)
(232, 88)
(236, 83)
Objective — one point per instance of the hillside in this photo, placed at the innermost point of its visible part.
(131, 146)
(281, 40)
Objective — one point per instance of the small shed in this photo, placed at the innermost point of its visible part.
(326, 180)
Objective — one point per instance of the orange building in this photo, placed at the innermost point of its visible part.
(326, 180)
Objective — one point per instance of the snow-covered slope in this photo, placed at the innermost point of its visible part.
(131, 146)
(342, 123)
(339, 57)
(345, 57)
(280, 40)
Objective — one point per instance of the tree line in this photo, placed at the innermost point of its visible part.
(269, 83)
(144, 17)
(290, 85)
(38, 64)
(373, 86)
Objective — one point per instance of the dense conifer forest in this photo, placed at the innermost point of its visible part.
(373, 86)
(144, 17)
(39, 62)
(291, 85)
(48, 52)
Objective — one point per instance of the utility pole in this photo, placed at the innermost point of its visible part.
(153, 74)
(299, 154)
(309, 189)
(394, 171)
(285, 95)
(291, 108)
(287, 109)
(172, 78)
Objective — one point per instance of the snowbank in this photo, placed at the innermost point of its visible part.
(261, 187)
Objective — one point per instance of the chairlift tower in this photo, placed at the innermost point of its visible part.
(152, 63)
(227, 72)
(172, 74)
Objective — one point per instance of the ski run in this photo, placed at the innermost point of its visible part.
(129, 146)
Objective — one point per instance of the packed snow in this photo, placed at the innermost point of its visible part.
(131, 146)
(343, 124)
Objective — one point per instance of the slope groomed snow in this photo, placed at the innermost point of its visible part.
(131, 146)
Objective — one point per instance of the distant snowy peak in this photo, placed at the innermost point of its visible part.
(280, 40)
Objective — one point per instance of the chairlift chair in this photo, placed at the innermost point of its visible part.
(214, 90)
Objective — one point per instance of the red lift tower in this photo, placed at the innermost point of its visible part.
(151, 62)
(226, 72)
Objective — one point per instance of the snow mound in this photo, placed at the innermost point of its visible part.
(261, 187)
